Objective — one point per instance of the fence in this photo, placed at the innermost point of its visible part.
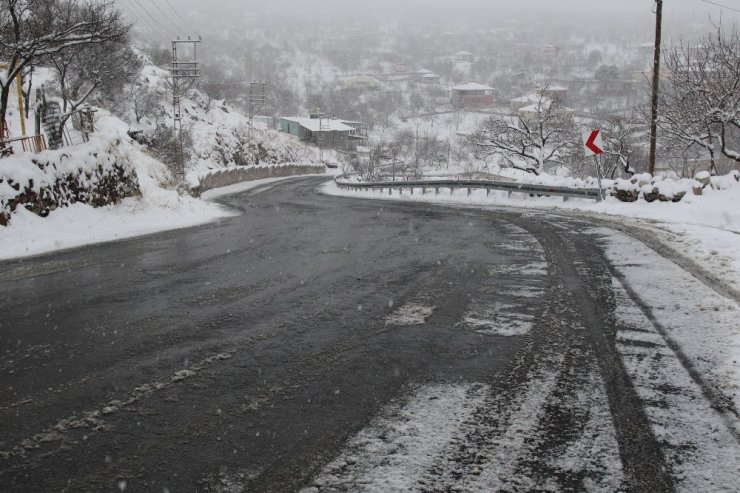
(34, 143)
(469, 185)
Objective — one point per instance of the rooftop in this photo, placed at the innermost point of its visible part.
(472, 86)
(319, 125)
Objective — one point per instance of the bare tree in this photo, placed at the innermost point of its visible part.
(700, 101)
(100, 68)
(623, 141)
(32, 31)
(531, 139)
(144, 101)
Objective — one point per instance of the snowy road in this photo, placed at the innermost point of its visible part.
(332, 344)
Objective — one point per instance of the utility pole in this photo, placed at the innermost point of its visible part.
(182, 71)
(324, 127)
(656, 86)
(257, 99)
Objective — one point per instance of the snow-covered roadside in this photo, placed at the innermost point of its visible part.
(159, 210)
(80, 224)
(705, 229)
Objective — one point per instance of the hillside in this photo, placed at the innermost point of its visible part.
(119, 186)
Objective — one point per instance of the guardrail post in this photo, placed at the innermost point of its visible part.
(436, 190)
(565, 198)
(412, 190)
(468, 191)
(509, 194)
(488, 192)
(423, 190)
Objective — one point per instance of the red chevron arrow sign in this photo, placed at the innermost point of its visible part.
(592, 142)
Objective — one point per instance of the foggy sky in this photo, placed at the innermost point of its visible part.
(680, 16)
(677, 13)
(521, 8)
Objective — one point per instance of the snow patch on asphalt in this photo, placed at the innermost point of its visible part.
(396, 449)
(411, 313)
(530, 269)
(498, 319)
(92, 419)
(507, 443)
(702, 453)
(695, 317)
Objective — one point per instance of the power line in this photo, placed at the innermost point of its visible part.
(142, 22)
(149, 14)
(721, 6)
(134, 10)
(175, 11)
(177, 28)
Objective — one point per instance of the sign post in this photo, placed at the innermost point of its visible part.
(593, 145)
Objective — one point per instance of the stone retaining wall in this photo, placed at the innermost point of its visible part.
(230, 176)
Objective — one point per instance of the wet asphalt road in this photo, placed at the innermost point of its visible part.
(241, 355)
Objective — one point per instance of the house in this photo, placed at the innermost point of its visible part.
(464, 57)
(324, 131)
(534, 112)
(554, 92)
(363, 83)
(424, 76)
(526, 100)
(550, 50)
(472, 96)
(431, 79)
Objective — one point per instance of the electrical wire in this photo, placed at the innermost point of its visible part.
(182, 19)
(177, 27)
(154, 19)
(142, 22)
(721, 6)
(169, 18)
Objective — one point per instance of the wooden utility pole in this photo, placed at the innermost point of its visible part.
(656, 86)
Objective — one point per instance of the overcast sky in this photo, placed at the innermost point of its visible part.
(522, 7)
(680, 15)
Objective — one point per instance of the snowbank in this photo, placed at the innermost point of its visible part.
(75, 222)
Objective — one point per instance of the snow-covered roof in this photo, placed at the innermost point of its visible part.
(319, 125)
(528, 98)
(430, 76)
(554, 87)
(535, 108)
(543, 105)
(472, 86)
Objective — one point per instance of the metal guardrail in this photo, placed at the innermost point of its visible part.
(510, 187)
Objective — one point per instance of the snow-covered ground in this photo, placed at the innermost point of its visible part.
(159, 210)
(678, 338)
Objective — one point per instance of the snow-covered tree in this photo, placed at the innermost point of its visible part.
(31, 31)
(700, 100)
(624, 140)
(538, 135)
(103, 68)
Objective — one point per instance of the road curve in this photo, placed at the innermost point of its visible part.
(323, 343)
